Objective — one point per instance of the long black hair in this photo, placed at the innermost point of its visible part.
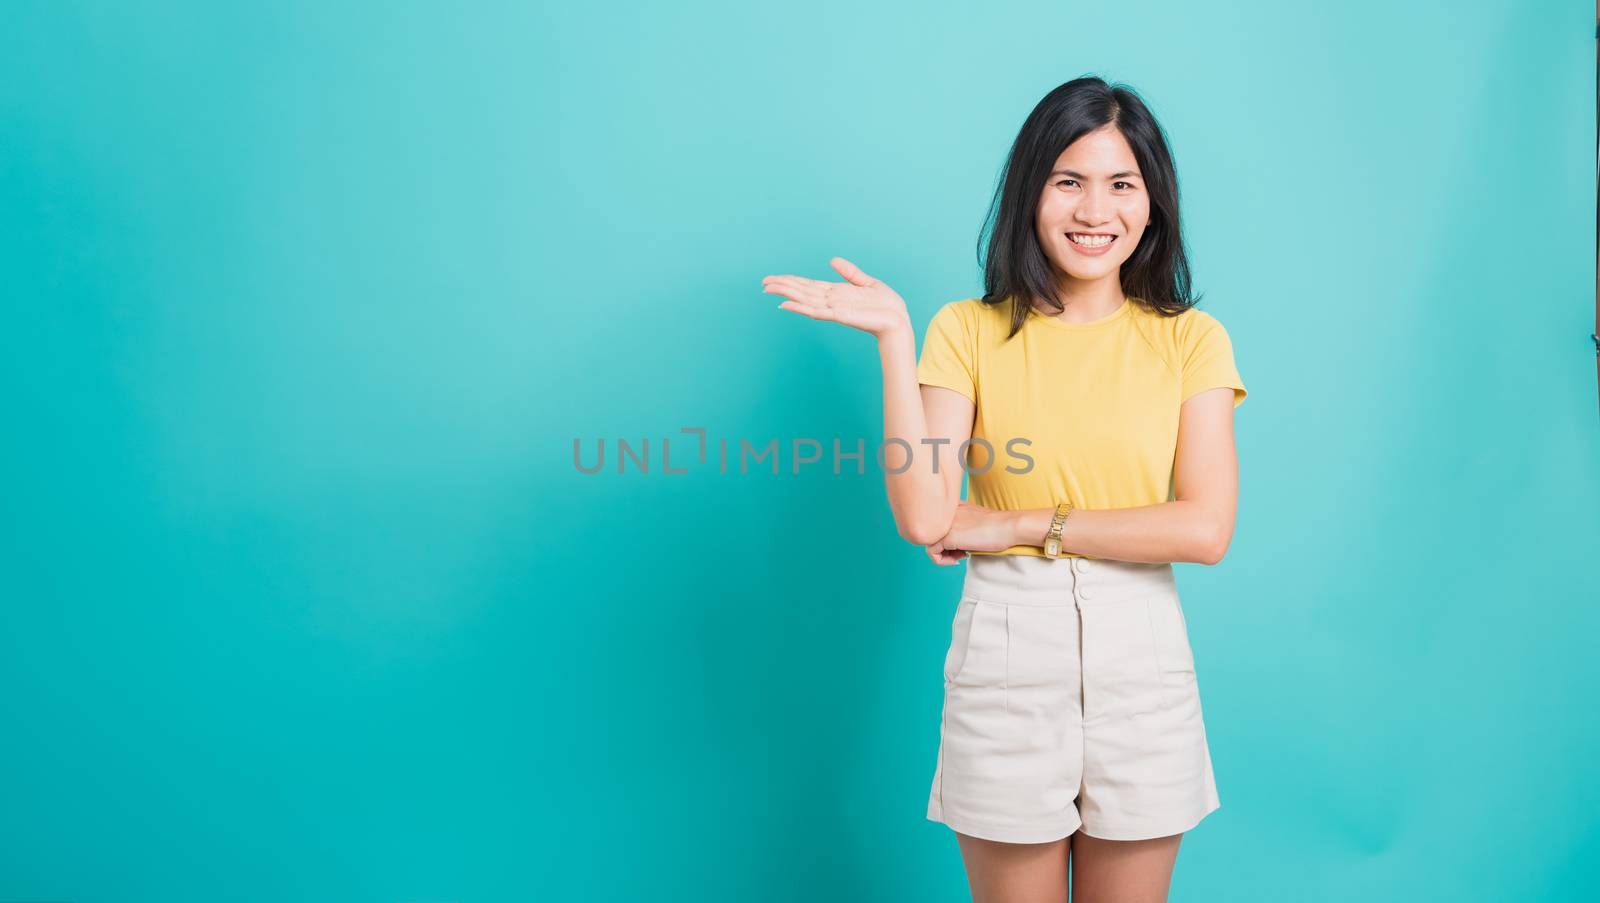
(1015, 266)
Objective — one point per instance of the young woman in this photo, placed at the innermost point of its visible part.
(1091, 404)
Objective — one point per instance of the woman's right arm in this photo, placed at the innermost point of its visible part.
(923, 429)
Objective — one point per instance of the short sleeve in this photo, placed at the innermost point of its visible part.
(947, 353)
(1207, 356)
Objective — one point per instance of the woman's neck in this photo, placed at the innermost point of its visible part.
(1085, 302)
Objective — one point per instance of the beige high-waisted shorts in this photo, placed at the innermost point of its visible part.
(1070, 700)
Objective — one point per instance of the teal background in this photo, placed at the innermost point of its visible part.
(306, 304)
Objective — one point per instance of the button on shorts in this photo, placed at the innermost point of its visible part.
(1070, 700)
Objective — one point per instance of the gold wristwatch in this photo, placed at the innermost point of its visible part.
(1052, 540)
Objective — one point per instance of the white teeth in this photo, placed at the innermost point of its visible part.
(1091, 241)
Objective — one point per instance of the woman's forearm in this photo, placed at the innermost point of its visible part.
(1170, 531)
(916, 492)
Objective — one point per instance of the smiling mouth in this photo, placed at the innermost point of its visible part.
(1091, 239)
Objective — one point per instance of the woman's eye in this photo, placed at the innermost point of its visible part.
(1113, 184)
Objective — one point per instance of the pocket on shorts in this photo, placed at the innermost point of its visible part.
(1174, 657)
(978, 645)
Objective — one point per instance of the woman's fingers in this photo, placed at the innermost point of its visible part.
(942, 555)
(860, 302)
(815, 313)
(851, 272)
(814, 295)
(799, 283)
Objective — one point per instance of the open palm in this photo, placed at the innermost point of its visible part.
(860, 301)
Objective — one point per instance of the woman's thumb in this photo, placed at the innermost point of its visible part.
(851, 272)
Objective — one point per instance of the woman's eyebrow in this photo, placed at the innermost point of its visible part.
(1078, 175)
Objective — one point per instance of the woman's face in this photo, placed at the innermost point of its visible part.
(1094, 192)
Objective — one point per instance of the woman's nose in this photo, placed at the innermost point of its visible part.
(1092, 209)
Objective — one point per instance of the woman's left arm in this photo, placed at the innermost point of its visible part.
(1196, 527)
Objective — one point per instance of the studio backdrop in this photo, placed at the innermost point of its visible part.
(309, 307)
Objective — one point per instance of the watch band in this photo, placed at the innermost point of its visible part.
(1052, 540)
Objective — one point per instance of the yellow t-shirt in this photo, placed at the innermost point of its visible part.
(1088, 410)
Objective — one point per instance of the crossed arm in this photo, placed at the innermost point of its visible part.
(1197, 526)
